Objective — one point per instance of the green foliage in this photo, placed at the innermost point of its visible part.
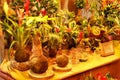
(80, 4)
(111, 14)
(90, 77)
(54, 40)
(61, 27)
(67, 28)
(20, 34)
(18, 3)
(50, 5)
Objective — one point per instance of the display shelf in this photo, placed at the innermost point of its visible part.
(94, 61)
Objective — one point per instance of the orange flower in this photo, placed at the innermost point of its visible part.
(69, 30)
(104, 3)
(109, 1)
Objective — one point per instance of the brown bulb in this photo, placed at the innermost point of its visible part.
(62, 60)
(39, 64)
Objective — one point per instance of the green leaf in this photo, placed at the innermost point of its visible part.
(29, 21)
(5, 8)
(9, 51)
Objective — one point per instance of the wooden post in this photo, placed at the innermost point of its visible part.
(1, 45)
(65, 7)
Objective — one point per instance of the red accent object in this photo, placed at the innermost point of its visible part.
(109, 1)
(110, 37)
(38, 0)
(101, 77)
(26, 6)
(56, 29)
(117, 32)
(43, 12)
(81, 35)
(69, 30)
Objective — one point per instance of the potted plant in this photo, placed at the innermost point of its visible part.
(18, 33)
(20, 38)
(80, 4)
(53, 44)
(38, 62)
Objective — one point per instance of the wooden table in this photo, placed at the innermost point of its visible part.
(84, 68)
(113, 68)
(95, 64)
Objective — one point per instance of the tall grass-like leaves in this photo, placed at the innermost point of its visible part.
(54, 40)
(44, 30)
(20, 34)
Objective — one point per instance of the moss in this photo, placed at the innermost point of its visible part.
(21, 55)
(39, 64)
(62, 60)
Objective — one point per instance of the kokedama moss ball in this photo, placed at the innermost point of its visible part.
(52, 52)
(62, 60)
(21, 55)
(39, 64)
